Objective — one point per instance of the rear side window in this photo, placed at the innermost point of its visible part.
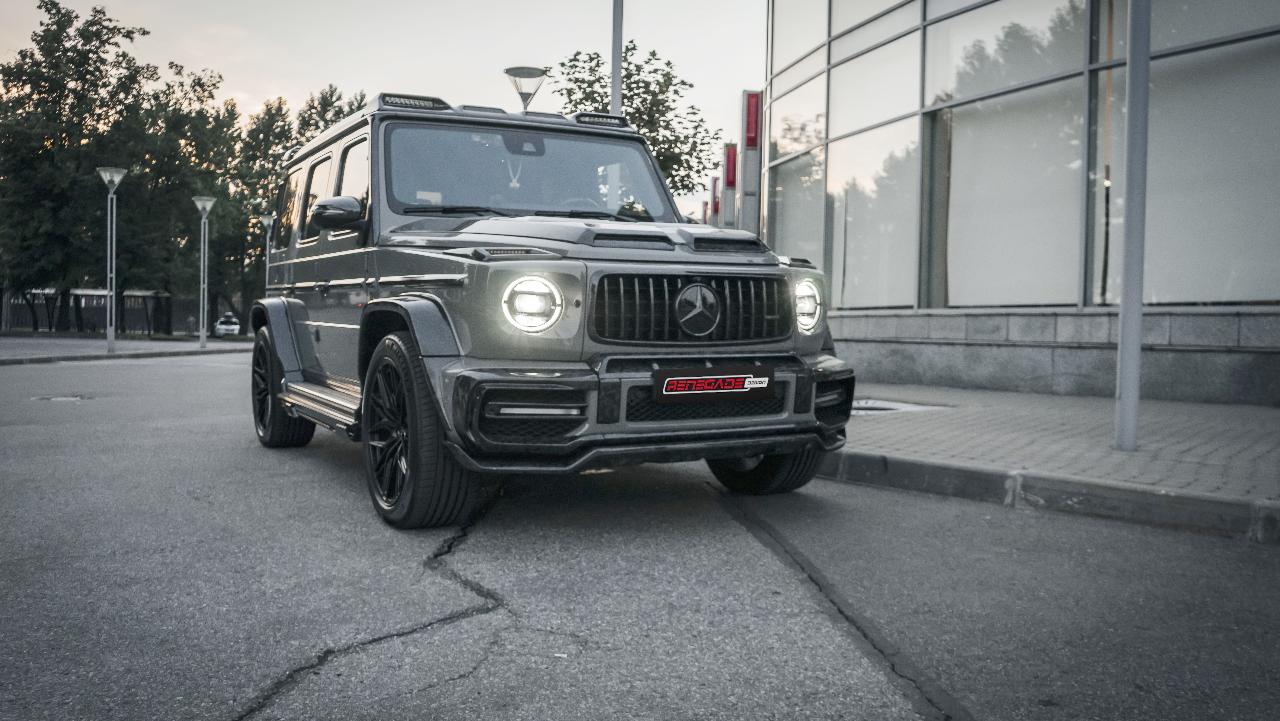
(288, 213)
(355, 172)
(317, 188)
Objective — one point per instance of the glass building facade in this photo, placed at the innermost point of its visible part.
(968, 155)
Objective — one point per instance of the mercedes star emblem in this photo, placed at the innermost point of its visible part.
(697, 309)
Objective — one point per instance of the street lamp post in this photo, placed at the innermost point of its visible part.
(268, 222)
(112, 177)
(204, 203)
(615, 84)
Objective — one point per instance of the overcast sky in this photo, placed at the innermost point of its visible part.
(455, 50)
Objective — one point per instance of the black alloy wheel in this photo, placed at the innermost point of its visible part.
(261, 387)
(413, 479)
(271, 420)
(387, 424)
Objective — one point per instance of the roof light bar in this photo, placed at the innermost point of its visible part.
(417, 102)
(610, 121)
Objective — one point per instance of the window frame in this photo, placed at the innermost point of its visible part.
(320, 159)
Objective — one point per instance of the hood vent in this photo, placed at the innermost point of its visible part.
(513, 253)
(728, 245)
(646, 241)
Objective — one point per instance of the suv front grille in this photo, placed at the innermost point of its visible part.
(639, 308)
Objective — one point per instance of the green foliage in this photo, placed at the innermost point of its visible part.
(324, 109)
(76, 100)
(60, 101)
(653, 99)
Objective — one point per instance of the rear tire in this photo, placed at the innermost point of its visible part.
(413, 480)
(781, 473)
(275, 427)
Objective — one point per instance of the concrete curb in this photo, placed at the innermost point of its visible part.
(1257, 521)
(28, 360)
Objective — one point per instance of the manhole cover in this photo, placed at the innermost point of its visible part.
(62, 398)
(875, 407)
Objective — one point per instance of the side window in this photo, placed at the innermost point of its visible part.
(288, 211)
(355, 172)
(317, 189)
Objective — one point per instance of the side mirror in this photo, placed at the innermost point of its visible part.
(335, 213)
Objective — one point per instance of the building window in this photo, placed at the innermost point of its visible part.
(1001, 45)
(873, 186)
(796, 203)
(801, 71)
(1007, 198)
(798, 119)
(877, 86)
(1181, 22)
(798, 27)
(847, 13)
(1213, 226)
(882, 28)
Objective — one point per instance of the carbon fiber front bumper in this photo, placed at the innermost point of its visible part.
(604, 415)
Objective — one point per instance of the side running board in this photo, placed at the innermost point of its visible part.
(333, 409)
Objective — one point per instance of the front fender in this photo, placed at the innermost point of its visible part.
(274, 314)
(422, 314)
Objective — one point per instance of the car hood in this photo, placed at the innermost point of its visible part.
(590, 238)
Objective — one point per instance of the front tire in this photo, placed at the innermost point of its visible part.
(275, 427)
(767, 475)
(413, 480)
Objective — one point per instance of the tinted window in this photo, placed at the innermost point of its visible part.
(317, 189)
(355, 172)
(522, 170)
(288, 213)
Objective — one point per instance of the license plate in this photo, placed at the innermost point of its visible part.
(699, 385)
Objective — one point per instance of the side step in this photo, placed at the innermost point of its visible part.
(333, 409)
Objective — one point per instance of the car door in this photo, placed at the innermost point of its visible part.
(308, 285)
(340, 266)
(282, 272)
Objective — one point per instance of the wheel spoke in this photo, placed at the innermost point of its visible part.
(386, 432)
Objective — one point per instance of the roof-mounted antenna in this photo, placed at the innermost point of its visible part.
(526, 80)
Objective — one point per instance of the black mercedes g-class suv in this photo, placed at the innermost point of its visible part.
(466, 291)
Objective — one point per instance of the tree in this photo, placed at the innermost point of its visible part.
(258, 174)
(58, 99)
(324, 109)
(77, 100)
(653, 99)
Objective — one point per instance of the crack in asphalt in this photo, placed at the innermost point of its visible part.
(293, 675)
(435, 562)
(943, 705)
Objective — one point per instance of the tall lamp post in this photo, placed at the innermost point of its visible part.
(204, 203)
(615, 72)
(268, 222)
(112, 177)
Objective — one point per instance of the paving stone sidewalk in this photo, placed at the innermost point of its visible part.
(1218, 464)
(37, 349)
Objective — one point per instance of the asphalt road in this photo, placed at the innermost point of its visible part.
(155, 562)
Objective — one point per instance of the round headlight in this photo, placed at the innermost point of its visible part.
(808, 305)
(532, 304)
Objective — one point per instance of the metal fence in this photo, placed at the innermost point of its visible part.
(141, 312)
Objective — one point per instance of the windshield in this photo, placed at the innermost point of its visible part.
(519, 170)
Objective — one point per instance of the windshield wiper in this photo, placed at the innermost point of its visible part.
(452, 210)
(587, 214)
